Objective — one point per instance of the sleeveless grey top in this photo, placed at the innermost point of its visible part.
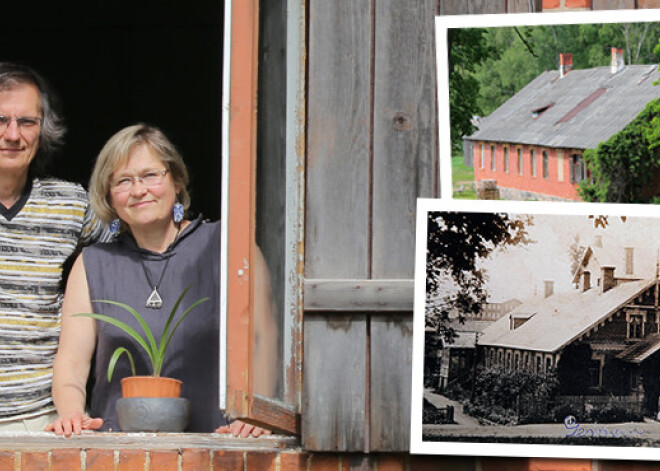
(115, 272)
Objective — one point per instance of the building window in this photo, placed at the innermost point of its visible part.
(635, 326)
(516, 361)
(493, 167)
(506, 160)
(539, 364)
(548, 364)
(630, 257)
(481, 157)
(594, 373)
(577, 168)
(546, 172)
(532, 161)
(520, 161)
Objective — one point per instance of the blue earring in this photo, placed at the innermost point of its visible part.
(115, 226)
(177, 210)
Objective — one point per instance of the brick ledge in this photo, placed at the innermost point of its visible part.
(32, 441)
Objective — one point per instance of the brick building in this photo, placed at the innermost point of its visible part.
(532, 145)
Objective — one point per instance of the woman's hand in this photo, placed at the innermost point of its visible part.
(74, 424)
(239, 428)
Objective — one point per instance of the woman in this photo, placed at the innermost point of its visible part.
(138, 185)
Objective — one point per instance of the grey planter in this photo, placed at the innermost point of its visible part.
(152, 414)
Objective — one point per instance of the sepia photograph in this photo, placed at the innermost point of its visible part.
(537, 329)
(558, 107)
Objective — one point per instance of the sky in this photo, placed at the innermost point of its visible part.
(520, 272)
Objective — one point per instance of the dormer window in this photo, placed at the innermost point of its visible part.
(635, 319)
(539, 111)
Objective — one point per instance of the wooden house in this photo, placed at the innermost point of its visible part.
(612, 312)
(532, 145)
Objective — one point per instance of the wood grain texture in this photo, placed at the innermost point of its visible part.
(464, 7)
(405, 130)
(334, 392)
(391, 379)
(359, 295)
(338, 139)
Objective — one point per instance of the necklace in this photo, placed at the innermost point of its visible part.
(154, 301)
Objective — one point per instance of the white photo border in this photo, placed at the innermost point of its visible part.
(444, 23)
(466, 448)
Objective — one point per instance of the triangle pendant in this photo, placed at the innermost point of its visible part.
(154, 301)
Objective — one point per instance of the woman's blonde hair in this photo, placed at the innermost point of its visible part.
(115, 153)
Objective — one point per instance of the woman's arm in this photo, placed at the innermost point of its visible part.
(74, 355)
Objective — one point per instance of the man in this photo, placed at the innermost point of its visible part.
(42, 222)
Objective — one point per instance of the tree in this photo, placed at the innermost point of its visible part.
(467, 48)
(456, 241)
(624, 167)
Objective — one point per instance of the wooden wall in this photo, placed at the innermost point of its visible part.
(371, 151)
(372, 144)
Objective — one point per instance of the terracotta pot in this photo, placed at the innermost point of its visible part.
(150, 386)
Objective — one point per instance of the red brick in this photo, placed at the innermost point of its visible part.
(550, 4)
(67, 459)
(578, 4)
(628, 466)
(324, 462)
(261, 461)
(445, 463)
(648, 3)
(164, 460)
(100, 460)
(7, 461)
(34, 461)
(228, 460)
(538, 464)
(195, 459)
(131, 460)
(295, 461)
(390, 462)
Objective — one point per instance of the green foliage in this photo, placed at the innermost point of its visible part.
(498, 392)
(522, 53)
(624, 166)
(467, 48)
(155, 351)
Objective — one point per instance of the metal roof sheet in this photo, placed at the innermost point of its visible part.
(557, 320)
(591, 116)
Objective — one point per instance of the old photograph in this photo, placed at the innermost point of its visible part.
(555, 107)
(537, 329)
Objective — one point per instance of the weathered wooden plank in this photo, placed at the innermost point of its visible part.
(405, 130)
(524, 6)
(391, 379)
(338, 139)
(612, 4)
(359, 295)
(334, 388)
(463, 7)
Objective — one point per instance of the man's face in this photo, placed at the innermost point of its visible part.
(19, 144)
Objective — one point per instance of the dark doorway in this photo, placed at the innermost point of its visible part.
(114, 63)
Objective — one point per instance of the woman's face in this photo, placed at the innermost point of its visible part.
(145, 202)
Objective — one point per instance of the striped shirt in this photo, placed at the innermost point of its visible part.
(34, 244)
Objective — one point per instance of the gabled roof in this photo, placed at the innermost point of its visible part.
(579, 110)
(558, 320)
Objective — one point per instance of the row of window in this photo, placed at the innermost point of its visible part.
(521, 361)
(577, 168)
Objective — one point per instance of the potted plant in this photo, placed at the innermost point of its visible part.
(153, 402)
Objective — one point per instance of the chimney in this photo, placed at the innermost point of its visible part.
(586, 281)
(549, 288)
(607, 278)
(565, 63)
(598, 240)
(617, 60)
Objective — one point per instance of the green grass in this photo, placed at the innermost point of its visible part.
(462, 179)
